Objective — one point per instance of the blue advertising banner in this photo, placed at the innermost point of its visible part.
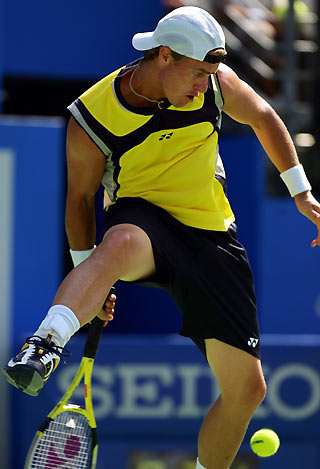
(151, 393)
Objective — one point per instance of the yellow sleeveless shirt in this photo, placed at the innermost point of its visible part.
(170, 157)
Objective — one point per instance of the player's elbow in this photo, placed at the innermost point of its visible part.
(77, 198)
(266, 116)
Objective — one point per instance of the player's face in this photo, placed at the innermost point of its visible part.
(182, 80)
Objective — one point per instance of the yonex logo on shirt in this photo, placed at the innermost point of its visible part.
(165, 136)
(253, 342)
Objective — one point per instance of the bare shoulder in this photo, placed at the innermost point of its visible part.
(241, 102)
(231, 85)
(227, 77)
(78, 141)
(85, 160)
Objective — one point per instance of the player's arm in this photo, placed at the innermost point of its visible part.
(244, 105)
(85, 171)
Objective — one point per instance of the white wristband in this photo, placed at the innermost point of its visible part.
(296, 180)
(80, 256)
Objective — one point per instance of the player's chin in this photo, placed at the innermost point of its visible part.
(179, 101)
(185, 100)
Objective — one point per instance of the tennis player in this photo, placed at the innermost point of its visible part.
(149, 132)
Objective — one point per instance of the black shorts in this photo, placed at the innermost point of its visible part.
(207, 274)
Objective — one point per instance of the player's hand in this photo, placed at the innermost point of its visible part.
(310, 208)
(107, 311)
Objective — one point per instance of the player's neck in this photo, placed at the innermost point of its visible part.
(141, 87)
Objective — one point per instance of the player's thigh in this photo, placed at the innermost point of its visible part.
(136, 246)
(238, 373)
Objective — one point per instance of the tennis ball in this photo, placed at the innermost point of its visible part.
(265, 442)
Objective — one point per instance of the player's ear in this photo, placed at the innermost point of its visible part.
(165, 55)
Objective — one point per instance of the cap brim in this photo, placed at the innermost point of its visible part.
(144, 41)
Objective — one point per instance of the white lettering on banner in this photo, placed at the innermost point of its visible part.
(300, 371)
(190, 376)
(143, 391)
(146, 391)
(163, 391)
(104, 396)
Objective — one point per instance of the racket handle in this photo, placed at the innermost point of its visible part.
(94, 334)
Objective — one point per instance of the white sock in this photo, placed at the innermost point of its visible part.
(61, 322)
(199, 466)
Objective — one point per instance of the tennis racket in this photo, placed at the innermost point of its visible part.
(67, 439)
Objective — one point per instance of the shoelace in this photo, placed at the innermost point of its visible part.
(43, 343)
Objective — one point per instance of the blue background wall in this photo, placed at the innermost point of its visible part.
(74, 38)
(37, 146)
(289, 270)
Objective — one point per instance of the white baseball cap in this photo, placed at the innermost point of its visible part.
(189, 31)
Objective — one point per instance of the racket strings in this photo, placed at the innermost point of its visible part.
(65, 444)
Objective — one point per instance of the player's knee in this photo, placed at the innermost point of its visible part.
(118, 240)
(252, 393)
(129, 244)
(246, 394)
(258, 391)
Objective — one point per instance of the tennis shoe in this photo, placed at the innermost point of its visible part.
(34, 364)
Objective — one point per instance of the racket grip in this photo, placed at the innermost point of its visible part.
(94, 334)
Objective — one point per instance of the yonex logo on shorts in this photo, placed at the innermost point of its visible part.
(253, 342)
